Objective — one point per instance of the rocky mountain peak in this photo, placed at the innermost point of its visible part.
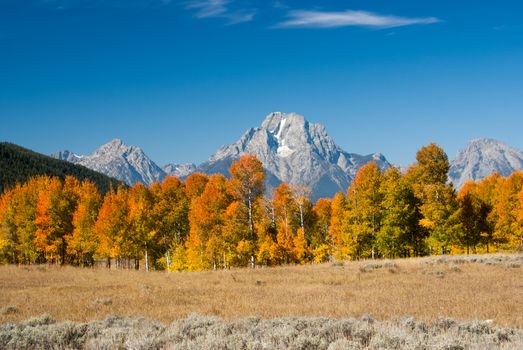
(276, 121)
(66, 155)
(481, 158)
(295, 151)
(113, 148)
(116, 159)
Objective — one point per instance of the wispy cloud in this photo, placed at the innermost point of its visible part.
(320, 19)
(220, 9)
(209, 8)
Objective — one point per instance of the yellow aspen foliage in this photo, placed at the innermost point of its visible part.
(338, 208)
(179, 259)
(207, 221)
(507, 233)
(83, 242)
(300, 248)
(247, 184)
(321, 253)
(112, 224)
(322, 216)
(362, 220)
(195, 184)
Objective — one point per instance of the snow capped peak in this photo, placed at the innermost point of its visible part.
(295, 151)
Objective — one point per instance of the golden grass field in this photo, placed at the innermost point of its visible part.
(426, 288)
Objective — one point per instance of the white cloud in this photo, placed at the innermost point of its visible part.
(320, 19)
(220, 9)
(209, 8)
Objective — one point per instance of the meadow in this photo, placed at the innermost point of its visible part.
(476, 299)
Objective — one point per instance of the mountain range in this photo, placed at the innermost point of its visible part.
(294, 151)
(290, 148)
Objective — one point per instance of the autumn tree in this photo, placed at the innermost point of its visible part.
(247, 183)
(235, 241)
(364, 212)
(54, 219)
(284, 209)
(336, 237)
(508, 231)
(519, 220)
(171, 217)
(195, 184)
(438, 199)
(488, 191)
(473, 215)
(207, 221)
(302, 196)
(321, 240)
(8, 231)
(112, 225)
(83, 242)
(24, 212)
(266, 230)
(142, 229)
(400, 233)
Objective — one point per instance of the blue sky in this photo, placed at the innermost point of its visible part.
(181, 78)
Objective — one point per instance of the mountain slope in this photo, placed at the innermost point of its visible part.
(483, 157)
(297, 152)
(18, 164)
(126, 163)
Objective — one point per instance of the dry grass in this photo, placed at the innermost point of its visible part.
(462, 288)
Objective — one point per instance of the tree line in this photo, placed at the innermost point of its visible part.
(214, 222)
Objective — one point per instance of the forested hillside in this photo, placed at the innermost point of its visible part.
(18, 165)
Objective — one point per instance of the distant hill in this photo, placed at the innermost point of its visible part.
(18, 164)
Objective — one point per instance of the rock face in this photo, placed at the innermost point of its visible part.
(481, 158)
(179, 170)
(126, 163)
(67, 155)
(297, 152)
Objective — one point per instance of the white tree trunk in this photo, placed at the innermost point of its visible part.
(168, 261)
(146, 259)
